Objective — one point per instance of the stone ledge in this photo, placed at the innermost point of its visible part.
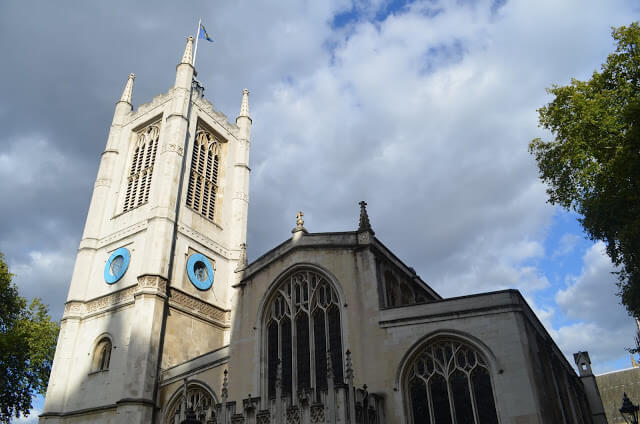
(147, 284)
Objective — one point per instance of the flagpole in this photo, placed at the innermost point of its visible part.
(195, 50)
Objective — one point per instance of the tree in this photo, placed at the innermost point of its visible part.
(593, 165)
(27, 344)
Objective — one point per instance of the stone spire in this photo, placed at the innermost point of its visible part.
(244, 107)
(187, 57)
(128, 90)
(364, 224)
(185, 70)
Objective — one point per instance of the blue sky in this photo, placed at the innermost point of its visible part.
(422, 108)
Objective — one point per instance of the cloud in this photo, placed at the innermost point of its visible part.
(598, 322)
(31, 419)
(43, 274)
(566, 245)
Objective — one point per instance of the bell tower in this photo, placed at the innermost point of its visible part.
(165, 231)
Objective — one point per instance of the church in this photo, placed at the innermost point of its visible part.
(167, 322)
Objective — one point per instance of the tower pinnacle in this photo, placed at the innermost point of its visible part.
(364, 224)
(128, 90)
(187, 57)
(244, 107)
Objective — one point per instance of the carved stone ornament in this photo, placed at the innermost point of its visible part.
(242, 196)
(173, 148)
(121, 297)
(152, 282)
(263, 417)
(102, 182)
(293, 415)
(317, 413)
(194, 304)
(237, 419)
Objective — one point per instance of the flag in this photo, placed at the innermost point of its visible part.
(203, 34)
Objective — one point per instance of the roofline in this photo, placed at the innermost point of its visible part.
(376, 243)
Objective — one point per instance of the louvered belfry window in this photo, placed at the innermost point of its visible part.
(141, 171)
(203, 178)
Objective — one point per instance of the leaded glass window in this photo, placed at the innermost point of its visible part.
(203, 178)
(141, 169)
(449, 383)
(302, 326)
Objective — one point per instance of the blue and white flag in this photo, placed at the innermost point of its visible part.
(203, 34)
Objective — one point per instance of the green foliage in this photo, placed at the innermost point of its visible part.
(593, 165)
(27, 344)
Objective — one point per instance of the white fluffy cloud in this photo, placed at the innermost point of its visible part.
(598, 322)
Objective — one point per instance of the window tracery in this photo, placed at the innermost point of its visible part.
(101, 355)
(198, 399)
(449, 382)
(302, 325)
(203, 177)
(141, 170)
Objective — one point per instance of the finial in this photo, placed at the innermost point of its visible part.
(348, 365)
(187, 57)
(364, 224)
(299, 223)
(225, 384)
(186, 398)
(244, 106)
(128, 90)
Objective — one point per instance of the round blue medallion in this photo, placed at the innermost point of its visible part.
(117, 265)
(200, 271)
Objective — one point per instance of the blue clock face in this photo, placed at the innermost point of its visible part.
(117, 265)
(200, 271)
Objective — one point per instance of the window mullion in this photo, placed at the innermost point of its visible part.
(432, 410)
(294, 354)
(454, 418)
(312, 349)
(474, 406)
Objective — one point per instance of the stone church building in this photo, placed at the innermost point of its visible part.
(166, 322)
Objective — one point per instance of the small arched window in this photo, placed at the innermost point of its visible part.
(101, 355)
(203, 178)
(141, 171)
(302, 325)
(449, 382)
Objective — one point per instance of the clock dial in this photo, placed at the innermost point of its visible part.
(200, 271)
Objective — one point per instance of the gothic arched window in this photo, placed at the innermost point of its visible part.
(199, 400)
(449, 382)
(141, 170)
(302, 325)
(101, 355)
(203, 178)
